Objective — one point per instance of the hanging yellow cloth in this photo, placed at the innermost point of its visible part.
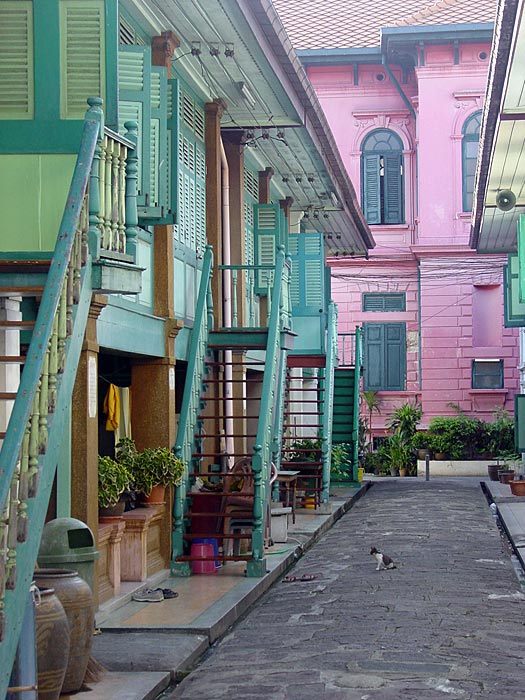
(112, 407)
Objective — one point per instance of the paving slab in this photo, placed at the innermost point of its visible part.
(120, 686)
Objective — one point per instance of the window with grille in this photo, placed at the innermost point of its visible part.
(373, 301)
(487, 374)
(382, 184)
(469, 157)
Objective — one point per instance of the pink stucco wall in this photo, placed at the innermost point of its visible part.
(426, 257)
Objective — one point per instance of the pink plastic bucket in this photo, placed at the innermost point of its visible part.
(203, 550)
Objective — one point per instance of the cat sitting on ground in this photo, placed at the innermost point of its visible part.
(383, 561)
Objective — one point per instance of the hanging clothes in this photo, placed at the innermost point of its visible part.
(112, 407)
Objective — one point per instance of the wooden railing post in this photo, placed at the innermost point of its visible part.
(94, 242)
(132, 170)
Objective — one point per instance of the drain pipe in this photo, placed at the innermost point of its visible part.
(227, 304)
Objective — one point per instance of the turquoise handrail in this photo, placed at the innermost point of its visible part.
(31, 421)
(357, 389)
(328, 403)
(190, 403)
(262, 455)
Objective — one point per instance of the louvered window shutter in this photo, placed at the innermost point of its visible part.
(395, 356)
(373, 356)
(16, 60)
(384, 356)
(134, 72)
(267, 237)
(158, 172)
(371, 188)
(82, 55)
(393, 189)
(308, 281)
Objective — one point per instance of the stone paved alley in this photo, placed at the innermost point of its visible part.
(449, 621)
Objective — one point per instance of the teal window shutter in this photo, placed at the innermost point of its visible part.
(514, 308)
(159, 162)
(307, 281)
(382, 177)
(82, 55)
(134, 72)
(267, 218)
(371, 189)
(16, 60)
(384, 356)
(393, 190)
(469, 157)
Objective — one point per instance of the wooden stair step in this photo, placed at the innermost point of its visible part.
(217, 514)
(20, 325)
(221, 380)
(25, 266)
(7, 395)
(218, 536)
(218, 363)
(216, 435)
(220, 454)
(21, 291)
(217, 557)
(14, 359)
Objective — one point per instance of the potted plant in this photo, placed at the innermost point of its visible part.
(398, 455)
(341, 463)
(113, 479)
(156, 467)
(420, 443)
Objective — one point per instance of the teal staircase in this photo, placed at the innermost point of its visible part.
(346, 395)
(44, 306)
(223, 376)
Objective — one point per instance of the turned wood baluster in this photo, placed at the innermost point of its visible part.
(69, 296)
(12, 531)
(234, 299)
(44, 404)
(23, 492)
(33, 471)
(251, 297)
(102, 190)
(3, 563)
(53, 365)
(121, 216)
(115, 181)
(62, 328)
(132, 169)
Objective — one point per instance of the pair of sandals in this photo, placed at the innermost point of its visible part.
(304, 577)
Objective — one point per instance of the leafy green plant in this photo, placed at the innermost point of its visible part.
(404, 421)
(341, 462)
(306, 450)
(372, 462)
(398, 453)
(113, 479)
(156, 466)
(420, 440)
(373, 404)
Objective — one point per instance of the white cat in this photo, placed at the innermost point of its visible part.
(383, 561)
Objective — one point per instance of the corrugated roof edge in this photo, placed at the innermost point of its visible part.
(503, 32)
(271, 24)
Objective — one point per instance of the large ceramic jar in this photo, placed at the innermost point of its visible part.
(76, 597)
(52, 644)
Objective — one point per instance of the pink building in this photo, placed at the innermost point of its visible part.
(402, 84)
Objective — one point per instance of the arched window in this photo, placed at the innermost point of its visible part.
(382, 178)
(469, 157)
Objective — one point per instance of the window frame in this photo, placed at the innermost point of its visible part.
(382, 173)
(467, 139)
(475, 375)
(383, 296)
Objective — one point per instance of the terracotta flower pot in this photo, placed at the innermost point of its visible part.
(156, 497)
(517, 487)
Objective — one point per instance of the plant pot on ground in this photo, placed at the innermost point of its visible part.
(156, 466)
(505, 475)
(113, 480)
(517, 486)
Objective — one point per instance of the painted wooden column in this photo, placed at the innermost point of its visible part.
(265, 177)
(84, 432)
(286, 206)
(214, 111)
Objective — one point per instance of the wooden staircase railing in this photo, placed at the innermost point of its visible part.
(33, 437)
(328, 399)
(212, 451)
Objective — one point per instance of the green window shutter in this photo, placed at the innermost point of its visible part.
(295, 282)
(82, 55)
(393, 189)
(134, 72)
(159, 161)
(371, 188)
(514, 308)
(267, 235)
(395, 356)
(16, 60)
(384, 356)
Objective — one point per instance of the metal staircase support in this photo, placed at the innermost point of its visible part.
(328, 396)
(32, 441)
(357, 389)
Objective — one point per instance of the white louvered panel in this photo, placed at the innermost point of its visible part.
(199, 123)
(294, 284)
(155, 90)
(132, 112)
(154, 161)
(131, 71)
(16, 60)
(180, 207)
(168, 167)
(82, 63)
(266, 253)
(186, 210)
(314, 283)
(248, 234)
(169, 100)
(191, 157)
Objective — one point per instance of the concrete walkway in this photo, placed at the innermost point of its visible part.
(447, 622)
